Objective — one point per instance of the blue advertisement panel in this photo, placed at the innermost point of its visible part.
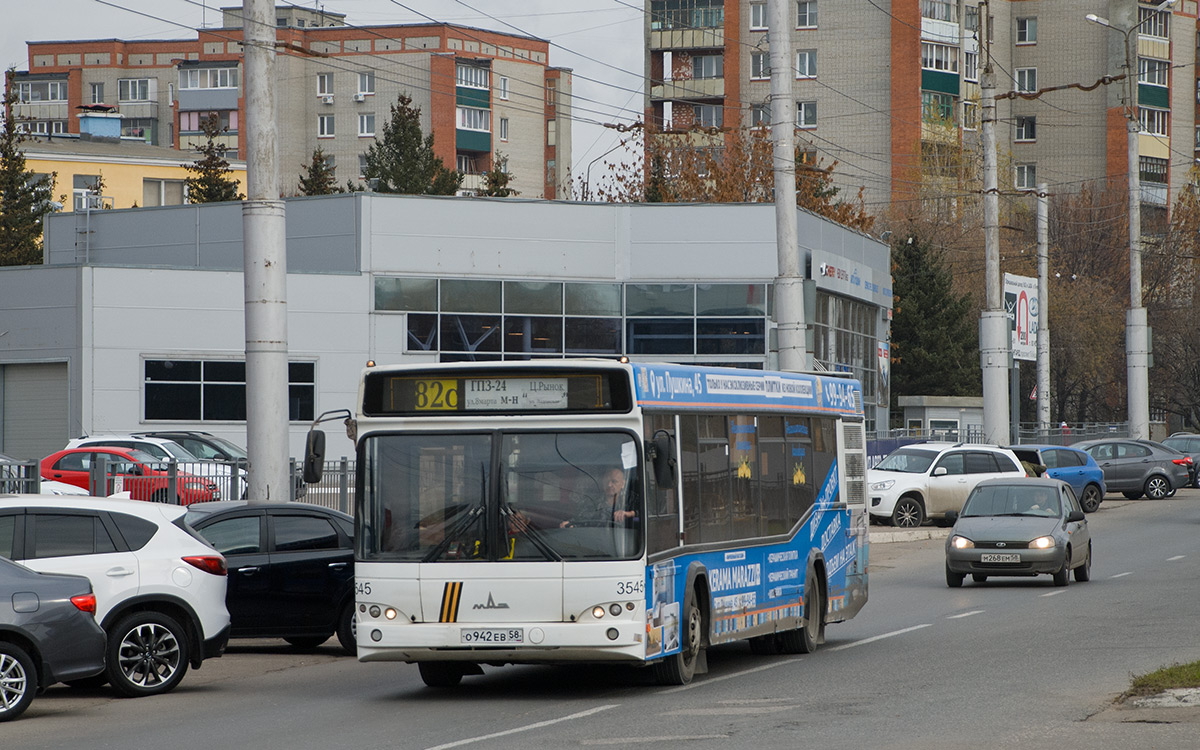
(684, 388)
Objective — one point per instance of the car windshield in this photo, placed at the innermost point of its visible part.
(908, 461)
(1013, 500)
(177, 451)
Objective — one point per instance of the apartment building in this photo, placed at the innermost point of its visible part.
(889, 87)
(479, 92)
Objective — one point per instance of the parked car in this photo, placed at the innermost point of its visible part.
(1188, 443)
(203, 445)
(924, 480)
(160, 588)
(1139, 467)
(1071, 465)
(133, 471)
(291, 569)
(165, 450)
(1023, 527)
(48, 631)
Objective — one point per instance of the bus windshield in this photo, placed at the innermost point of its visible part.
(501, 496)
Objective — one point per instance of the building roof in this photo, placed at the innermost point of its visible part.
(67, 148)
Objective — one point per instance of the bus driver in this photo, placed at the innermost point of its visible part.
(611, 507)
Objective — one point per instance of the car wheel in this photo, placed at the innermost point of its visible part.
(1090, 499)
(804, 640)
(440, 674)
(678, 669)
(162, 496)
(1063, 576)
(1131, 495)
(978, 577)
(347, 632)
(147, 654)
(1157, 487)
(954, 580)
(18, 681)
(908, 513)
(1084, 572)
(307, 642)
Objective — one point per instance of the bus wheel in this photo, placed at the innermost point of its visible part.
(804, 640)
(440, 674)
(678, 669)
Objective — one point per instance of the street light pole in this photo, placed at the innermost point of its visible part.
(1137, 329)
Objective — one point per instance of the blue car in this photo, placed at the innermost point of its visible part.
(1071, 465)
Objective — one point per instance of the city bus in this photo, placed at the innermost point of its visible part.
(573, 511)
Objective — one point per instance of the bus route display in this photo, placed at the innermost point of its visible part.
(446, 392)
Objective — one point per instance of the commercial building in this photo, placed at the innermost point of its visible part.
(138, 322)
(890, 90)
(479, 92)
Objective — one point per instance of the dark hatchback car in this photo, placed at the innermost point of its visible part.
(1189, 443)
(1139, 467)
(48, 634)
(291, 569)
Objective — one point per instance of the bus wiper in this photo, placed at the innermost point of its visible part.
(521, 525)
(461, 525)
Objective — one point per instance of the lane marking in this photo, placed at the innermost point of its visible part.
(1176, 557)
(965, 614)
(526, 728)
(743, 673)
(1055, 593)
(880, 637)
(1122, 575)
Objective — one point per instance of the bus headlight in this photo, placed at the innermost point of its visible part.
(389, 613)
(597, 611)
(614, 609)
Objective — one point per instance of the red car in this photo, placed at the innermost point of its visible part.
(129, 470)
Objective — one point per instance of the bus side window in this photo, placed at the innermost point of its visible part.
(662, 505)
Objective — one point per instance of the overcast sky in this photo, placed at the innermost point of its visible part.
(607, 86)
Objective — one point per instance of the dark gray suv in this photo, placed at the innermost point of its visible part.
(1139, 467)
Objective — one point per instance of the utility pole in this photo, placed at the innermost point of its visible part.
(789, 284)
(264, 239)
(1043, 298)
(994, 341)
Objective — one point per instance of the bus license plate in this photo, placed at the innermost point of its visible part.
(1009, 557)
(493, 636)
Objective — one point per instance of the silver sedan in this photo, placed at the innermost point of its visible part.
(1019, 527)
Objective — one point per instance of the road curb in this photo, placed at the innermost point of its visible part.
(884, 536)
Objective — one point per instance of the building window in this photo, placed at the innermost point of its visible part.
(32, 92)
(325, 126)
(939, 57)
(1027, 30)
(366, 83)
(971, 18)
(760, 116)
(758, 17)
(551, 91)
(940, 10)
(362, 165)
(133, 90)
(503, 129)
(42, 127)
(708, 115)
(208, 78)
(937, 109)
(551, 132)
(502, 87)
(971, 66)
(1154, 121)
(471, 76)
(760, 65)
(1026, 177)
(324, 84)
(138, 127)
(551, 171)
(1153, 72)
(970, 116)
(1155, 23)
(1026, 79)
(806, 14)
(708, 66)
(366, 125)
(192, 122)
(1153, 170)
(472, 118)
(157, 192)
(806, 114)
(97, 93)
(215, 390)
(806, 63)
(1026, 128)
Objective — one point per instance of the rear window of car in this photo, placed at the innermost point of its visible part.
(137, 531)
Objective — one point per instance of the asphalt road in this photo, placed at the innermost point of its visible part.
(1008, 663)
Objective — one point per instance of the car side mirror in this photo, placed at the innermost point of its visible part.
(1075, 516)
(951, 516)
(314, 456)
(940, 471)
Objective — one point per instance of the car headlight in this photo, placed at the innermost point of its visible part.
(961, 542)
(881, 486)
(1042, 542)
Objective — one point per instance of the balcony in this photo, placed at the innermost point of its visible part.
(684, 38)
(692, 88)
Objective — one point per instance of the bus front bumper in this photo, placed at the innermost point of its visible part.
(539, 642)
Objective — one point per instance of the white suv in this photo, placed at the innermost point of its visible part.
(924, 480)
(160, 588)
(166, 450)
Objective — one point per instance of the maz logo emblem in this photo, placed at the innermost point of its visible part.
(491, 604)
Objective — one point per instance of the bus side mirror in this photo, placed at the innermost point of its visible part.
(662, 457)
(314, 456)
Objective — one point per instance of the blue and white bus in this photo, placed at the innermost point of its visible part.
(599, 511)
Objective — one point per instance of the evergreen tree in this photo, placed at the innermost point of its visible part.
(212, 182)
(935, 346)
(317, 178)
(24, 200)
(496, 179)
(402, 160)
